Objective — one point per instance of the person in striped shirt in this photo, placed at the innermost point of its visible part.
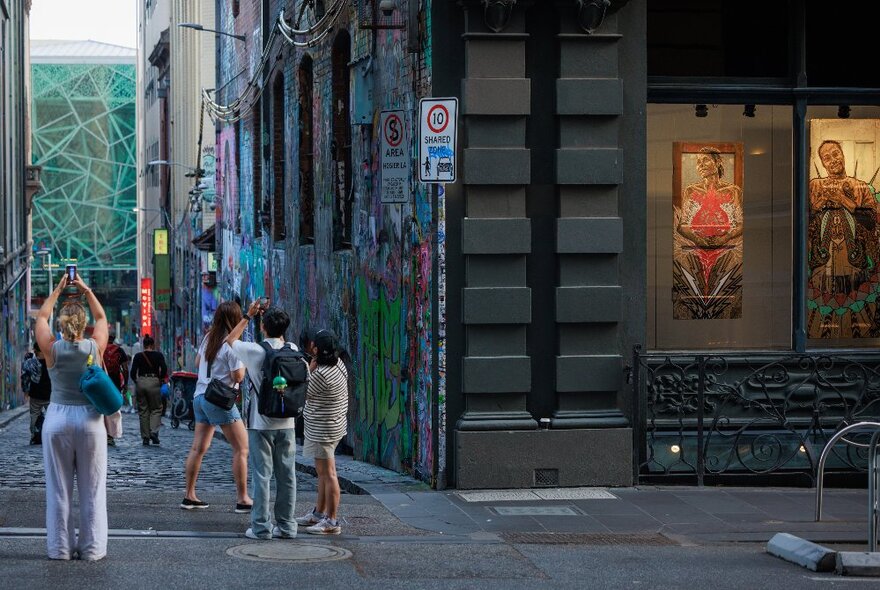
(325, 425)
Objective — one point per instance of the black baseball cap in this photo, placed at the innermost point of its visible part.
(325, 340)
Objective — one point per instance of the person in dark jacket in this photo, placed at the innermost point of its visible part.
(148, 372)
(39, 390)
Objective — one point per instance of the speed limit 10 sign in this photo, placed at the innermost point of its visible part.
(438, 124)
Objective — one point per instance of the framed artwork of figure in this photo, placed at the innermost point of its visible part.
(707, 230)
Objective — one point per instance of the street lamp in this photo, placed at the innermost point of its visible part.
(195, 171)
(164, 213)
(198, 27)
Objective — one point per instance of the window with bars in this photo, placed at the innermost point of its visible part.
(256, 154)
(278, 155)
(305, 80)
(238, 177)
(341, 146)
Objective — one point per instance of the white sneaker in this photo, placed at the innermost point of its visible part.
(277, 532)
(309, 519)
(250, 534)
(325, 527)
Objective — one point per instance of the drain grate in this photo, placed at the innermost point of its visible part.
(546, 478)
(536, 511)
(288, 552)
(587, 539)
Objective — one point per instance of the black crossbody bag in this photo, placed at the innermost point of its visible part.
(220, 394)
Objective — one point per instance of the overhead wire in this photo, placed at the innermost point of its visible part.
(244, 103)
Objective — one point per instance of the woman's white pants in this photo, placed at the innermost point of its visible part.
(75, 443)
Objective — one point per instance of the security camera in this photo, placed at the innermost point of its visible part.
(387, 7)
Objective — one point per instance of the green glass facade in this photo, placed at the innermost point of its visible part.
(83, 131)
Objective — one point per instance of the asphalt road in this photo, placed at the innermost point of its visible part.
(154, 544)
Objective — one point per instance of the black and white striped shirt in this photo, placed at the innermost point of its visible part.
(327, 404)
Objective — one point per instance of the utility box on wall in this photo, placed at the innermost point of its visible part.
(362, 91)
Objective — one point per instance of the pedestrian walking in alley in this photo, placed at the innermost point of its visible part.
(216, 360)
(74, 434)
(38, 386)
(148, 372)
(272, 441)
(116, 365)
(325, 425)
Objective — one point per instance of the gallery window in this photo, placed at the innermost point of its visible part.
(305, 82)
(763, 157)
(843, 236)
(341, 146)
(719, 227)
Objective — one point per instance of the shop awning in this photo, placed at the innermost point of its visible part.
(206, 241)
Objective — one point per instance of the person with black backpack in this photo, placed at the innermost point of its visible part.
(277, 379)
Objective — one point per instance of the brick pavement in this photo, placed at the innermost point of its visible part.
(132, 466)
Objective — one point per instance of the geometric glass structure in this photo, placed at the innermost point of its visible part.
(83, 131)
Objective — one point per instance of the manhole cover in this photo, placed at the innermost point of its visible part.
(536, 511)
(288, 552)
(587, 539)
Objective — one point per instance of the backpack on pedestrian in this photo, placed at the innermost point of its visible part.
(114, 356)
(31, 371)
(283, 382)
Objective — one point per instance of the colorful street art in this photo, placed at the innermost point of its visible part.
(707, 231)
(13, 336)
(376, 295)
(844, 251)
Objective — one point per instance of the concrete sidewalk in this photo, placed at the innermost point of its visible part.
(686, 514)
(394, 504)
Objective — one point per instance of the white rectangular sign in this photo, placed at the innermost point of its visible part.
(394, 157)
(438, 123)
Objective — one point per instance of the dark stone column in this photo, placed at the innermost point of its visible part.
(496, 234)
(590, 163)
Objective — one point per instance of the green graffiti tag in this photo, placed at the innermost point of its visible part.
(381, 327)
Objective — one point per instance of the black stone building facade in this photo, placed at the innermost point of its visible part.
(629, 309)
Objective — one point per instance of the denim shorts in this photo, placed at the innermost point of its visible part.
(208, 413)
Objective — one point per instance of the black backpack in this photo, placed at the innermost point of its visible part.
(290, 364)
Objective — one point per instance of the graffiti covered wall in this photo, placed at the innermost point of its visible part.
(13, 339)
(374, 287)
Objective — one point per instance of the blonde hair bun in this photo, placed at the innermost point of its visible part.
(73, 321)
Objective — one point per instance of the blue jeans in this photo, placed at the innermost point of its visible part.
(273, 452)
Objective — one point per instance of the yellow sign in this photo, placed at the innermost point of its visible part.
(160, 242)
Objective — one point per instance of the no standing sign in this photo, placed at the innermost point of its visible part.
(395, 158)
(438, 125)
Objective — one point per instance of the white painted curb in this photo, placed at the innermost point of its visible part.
(802, 552)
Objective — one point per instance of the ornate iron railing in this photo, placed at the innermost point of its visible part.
(715, 415)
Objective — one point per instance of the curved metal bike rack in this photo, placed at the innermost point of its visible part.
(873, 475)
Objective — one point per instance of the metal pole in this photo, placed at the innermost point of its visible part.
(701, 395)
(820, 471)
(872, 492)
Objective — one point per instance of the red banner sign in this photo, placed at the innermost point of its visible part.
(146, 307)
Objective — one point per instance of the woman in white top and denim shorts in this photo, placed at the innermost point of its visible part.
(74, 434)
(225, 367)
